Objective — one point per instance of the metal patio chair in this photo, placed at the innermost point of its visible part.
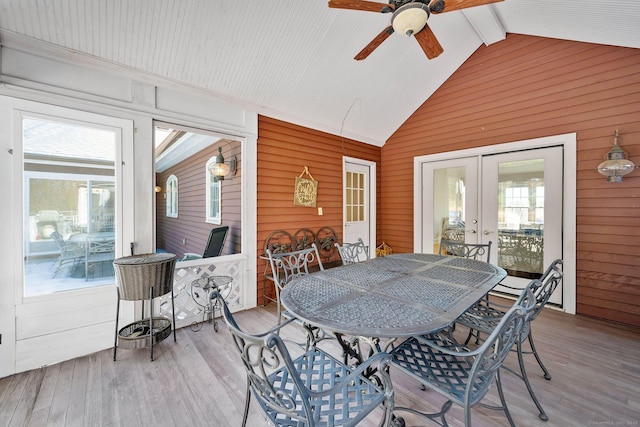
(353, 252)
(314, 389)
(215, 244)
(286, 266)
(485, 315)
(461, 375)
(70, 253)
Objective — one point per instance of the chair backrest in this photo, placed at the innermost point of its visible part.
(66, 251)
(290, 265)
(217, 237)
(57, 237)
(353, 252)
(480, 251)
(492, 353)
(549, 282)
(261, 356)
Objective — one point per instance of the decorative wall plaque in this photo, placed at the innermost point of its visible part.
(306, 190)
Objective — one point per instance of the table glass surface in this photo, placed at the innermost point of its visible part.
(394, 296)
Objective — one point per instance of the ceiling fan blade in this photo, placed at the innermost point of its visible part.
(429, 43)
(369, 6)
(373, 44)
(451, 5)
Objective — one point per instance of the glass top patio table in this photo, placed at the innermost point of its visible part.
(398, 295)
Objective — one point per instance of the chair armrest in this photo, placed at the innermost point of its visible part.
(215, 295)
(452, 348)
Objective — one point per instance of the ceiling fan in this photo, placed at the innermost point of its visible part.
(408, 17)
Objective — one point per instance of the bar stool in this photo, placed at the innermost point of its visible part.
(139, 278)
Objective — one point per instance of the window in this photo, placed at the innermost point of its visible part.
(69, 204)
(523, 202)
(356, 207)
(214, 196)
(172, 196)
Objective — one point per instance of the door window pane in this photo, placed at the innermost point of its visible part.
(521, 217)
(356, 204)
(449, 204)
(69, 212)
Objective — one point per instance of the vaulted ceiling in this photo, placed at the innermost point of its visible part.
(293, 59)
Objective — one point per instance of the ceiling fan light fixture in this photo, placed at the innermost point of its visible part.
(410, 18)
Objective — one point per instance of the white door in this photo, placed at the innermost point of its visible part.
(67, 224)
(522, 213)
(512, 199)
(450, 207)
(359, 202)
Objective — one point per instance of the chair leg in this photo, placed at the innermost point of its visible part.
(247, 400)
(469, 336)
(278, 304)
(543, 416)
(502, 400)
(547, 375)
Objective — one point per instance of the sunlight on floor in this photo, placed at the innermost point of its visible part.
(40, 280)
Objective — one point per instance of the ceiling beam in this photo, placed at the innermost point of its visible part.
(486, 23)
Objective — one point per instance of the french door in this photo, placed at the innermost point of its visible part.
(67, 224)
(513, 200)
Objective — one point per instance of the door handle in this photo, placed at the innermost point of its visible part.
(485, 232)
(471, 231)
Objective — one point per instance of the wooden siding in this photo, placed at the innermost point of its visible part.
(284, 150)
(527, 87)
(190, 223)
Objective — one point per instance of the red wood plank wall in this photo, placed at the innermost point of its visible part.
(190, 224)
(527, 87)
(284, 150)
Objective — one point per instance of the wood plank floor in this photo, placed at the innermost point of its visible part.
(198, 381)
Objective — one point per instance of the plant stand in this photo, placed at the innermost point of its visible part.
(144, 277)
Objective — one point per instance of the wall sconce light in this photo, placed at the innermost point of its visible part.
(616, 164)
(220, 169)
(158, 189)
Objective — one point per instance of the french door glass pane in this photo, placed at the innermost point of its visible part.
(69, 205)
(449, 204)
(355, 197)
(521, 217)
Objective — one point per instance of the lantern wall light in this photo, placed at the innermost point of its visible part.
(616, 164)
(220, 169)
